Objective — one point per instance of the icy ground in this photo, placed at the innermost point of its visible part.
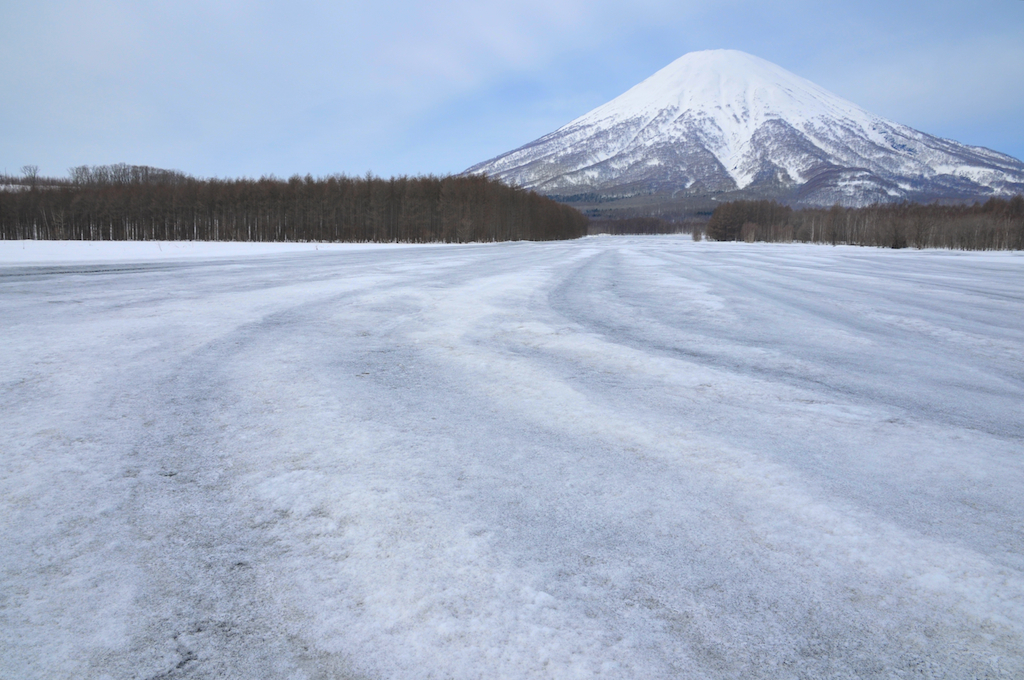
(615, 457)
(33, 252)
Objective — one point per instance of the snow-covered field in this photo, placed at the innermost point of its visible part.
(38, 252)
(615, 457)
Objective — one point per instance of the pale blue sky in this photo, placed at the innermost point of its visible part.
(221, 88)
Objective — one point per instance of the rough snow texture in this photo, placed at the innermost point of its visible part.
(723, 120)
(616, 457)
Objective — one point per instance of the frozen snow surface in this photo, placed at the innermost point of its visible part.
(38, 252)
(615, 457)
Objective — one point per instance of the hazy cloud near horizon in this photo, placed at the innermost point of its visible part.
(230, 88)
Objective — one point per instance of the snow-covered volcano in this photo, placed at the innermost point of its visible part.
(722, 121)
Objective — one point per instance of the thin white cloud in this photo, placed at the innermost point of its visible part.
(230, 87)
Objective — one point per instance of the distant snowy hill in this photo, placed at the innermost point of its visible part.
(725, 122)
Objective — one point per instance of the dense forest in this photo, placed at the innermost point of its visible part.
(126, 202)
(996, 224)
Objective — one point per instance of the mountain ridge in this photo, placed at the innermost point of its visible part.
(722, 122)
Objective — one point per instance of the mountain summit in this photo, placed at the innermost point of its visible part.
(723, 123)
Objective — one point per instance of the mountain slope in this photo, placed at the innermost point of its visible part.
(722, 121)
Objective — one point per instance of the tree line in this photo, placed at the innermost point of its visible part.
(127, 202)
(638, 225)
(997, 224)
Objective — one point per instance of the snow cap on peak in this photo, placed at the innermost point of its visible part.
(730, 94)
(731, 87)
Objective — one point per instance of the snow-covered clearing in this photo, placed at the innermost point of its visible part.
(38, 252)
(615, 457)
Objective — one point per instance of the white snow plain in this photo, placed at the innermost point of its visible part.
(615, 457)
(42, 252)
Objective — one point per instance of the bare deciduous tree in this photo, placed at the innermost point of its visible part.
(123, 202)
